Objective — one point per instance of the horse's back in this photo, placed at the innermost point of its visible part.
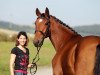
(85, 55)
(91, 39)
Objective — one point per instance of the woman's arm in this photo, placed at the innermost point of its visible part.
(12, 60)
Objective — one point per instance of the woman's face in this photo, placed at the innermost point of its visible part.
(22, 40)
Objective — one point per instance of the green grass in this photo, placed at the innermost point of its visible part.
(46, 54)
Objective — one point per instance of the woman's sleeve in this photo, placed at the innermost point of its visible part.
(13, 51)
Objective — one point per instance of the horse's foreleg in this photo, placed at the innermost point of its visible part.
(56, 65)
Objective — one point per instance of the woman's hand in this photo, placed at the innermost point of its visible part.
(30, 65)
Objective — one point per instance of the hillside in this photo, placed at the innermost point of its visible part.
(88, 29)
(83, 30)
(15, 27)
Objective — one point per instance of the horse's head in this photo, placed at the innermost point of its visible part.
(42, 25)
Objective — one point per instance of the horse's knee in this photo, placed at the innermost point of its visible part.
(57, 69)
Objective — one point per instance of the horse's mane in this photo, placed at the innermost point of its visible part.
(43, 15)
(64, 24)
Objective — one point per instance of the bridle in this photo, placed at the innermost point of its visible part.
(45, 34)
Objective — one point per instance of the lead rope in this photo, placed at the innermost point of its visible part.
(34, 62)
(38, 49)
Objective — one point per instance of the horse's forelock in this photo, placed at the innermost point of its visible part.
(42, 15)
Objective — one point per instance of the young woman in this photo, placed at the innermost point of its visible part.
(19, 61)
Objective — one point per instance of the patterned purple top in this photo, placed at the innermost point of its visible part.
(22, 58)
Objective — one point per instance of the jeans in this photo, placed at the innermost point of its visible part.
(19, 73)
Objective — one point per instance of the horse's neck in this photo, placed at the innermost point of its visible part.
(59, 34)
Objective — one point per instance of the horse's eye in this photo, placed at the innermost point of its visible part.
(34, 31)
(35, 23)
(46, 23)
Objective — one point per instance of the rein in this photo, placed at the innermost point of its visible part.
(35, 61)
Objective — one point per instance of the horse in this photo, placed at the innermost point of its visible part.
(75, 54)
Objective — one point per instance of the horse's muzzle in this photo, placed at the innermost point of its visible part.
(38, 43)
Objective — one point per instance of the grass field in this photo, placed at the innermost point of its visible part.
(46, 54)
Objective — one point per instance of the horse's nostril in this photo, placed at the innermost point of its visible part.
(35, 43)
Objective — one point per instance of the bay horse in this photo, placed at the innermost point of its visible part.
(75, 54)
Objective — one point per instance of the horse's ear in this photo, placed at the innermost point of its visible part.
(47, 12)
(38, 12)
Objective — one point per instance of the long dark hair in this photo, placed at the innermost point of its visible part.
(24, 34)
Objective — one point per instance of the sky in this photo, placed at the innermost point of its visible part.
(71, 12)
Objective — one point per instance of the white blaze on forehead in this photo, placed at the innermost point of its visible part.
(40, 20)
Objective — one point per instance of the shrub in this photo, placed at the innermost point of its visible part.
(3, 36)
(13, 37)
